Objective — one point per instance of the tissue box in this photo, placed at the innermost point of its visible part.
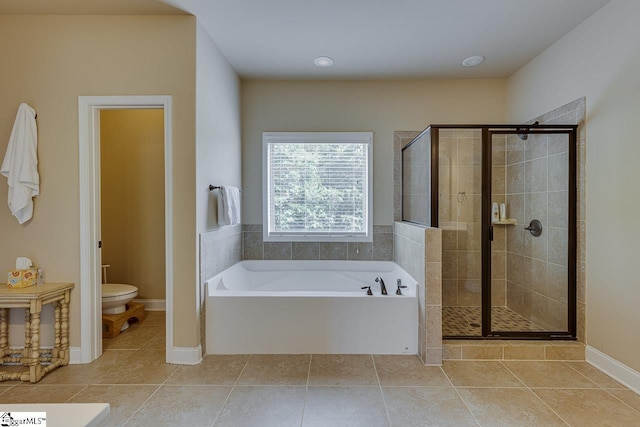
(22, 278)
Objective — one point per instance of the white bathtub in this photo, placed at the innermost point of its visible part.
(292, 307)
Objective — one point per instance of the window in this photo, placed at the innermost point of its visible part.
(317, 186)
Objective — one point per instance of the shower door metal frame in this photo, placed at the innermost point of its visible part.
(487, 231)
(434, 175)
(487, 227)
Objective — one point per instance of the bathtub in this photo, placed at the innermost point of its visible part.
(293, 307)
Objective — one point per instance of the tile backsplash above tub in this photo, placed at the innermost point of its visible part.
(381, 249)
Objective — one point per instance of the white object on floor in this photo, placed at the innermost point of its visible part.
(115, 297)
(229, 205)
(64, 414)
(20, 164)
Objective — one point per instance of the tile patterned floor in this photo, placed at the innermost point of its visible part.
(328, 390)
(458, 321)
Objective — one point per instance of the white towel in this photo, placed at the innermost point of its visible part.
(228, 205)
(20, 164)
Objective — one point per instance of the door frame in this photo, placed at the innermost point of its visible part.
(89, 108)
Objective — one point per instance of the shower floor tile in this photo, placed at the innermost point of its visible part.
(467, 321)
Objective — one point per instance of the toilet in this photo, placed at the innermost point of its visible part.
(115, 297)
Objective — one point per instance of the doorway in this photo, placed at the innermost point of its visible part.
(89, 109)
(132, 213)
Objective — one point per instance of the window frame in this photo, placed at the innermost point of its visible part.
(317, 137)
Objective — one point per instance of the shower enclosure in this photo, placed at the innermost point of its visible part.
(508, 271)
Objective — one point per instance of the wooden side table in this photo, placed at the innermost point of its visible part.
(40, 361)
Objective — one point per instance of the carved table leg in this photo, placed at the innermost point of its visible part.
(64, 329)
(26, 350)
(35, 368)
(4, 333)
(55, 353)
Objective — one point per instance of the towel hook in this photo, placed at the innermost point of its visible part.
(217, 187)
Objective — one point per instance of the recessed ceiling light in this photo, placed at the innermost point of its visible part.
(323, 61)
(472, 61)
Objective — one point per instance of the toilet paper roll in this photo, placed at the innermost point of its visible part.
(23, 263)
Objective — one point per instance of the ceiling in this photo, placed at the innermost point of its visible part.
(368, 39)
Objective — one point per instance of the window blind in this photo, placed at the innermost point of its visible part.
(317, 188)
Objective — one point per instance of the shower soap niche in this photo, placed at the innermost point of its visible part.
(505, 222)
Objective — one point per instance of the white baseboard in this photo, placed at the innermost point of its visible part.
(185, 355)
(152, 304)
(610, 366)
(75, 355)
(179, 355)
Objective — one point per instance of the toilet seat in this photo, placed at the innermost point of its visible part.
(110, 290)
(115, 297)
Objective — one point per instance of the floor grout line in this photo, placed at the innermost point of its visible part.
(606, 389)
(233, 387)
(584, 375)
(158, 387)
(616, 397)
(535, 394)
(215, 420)
(460, 396)
(384, 402)
(306, 390)
(78, 392)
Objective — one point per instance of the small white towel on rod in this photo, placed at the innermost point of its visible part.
(20, 164)
(228, 205)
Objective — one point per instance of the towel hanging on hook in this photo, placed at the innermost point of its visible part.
(20, 164)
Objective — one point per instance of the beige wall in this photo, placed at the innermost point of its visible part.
(379, 106)
(48, 61)
(599, 59)
(132, 199)
(218, 148)
(218, 162)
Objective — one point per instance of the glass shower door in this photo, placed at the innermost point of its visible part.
(460, 218)
(532, 257)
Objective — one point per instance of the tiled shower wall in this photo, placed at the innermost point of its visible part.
(460, 202)
(536, 187)
(381, 249)
(418, 249)
(219, 250)
(537, 183)
(499, 244)
(419, 252)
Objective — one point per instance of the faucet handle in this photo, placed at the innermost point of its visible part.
(368, 288)
(400, 286)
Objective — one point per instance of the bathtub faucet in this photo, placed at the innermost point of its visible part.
(383, 288)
